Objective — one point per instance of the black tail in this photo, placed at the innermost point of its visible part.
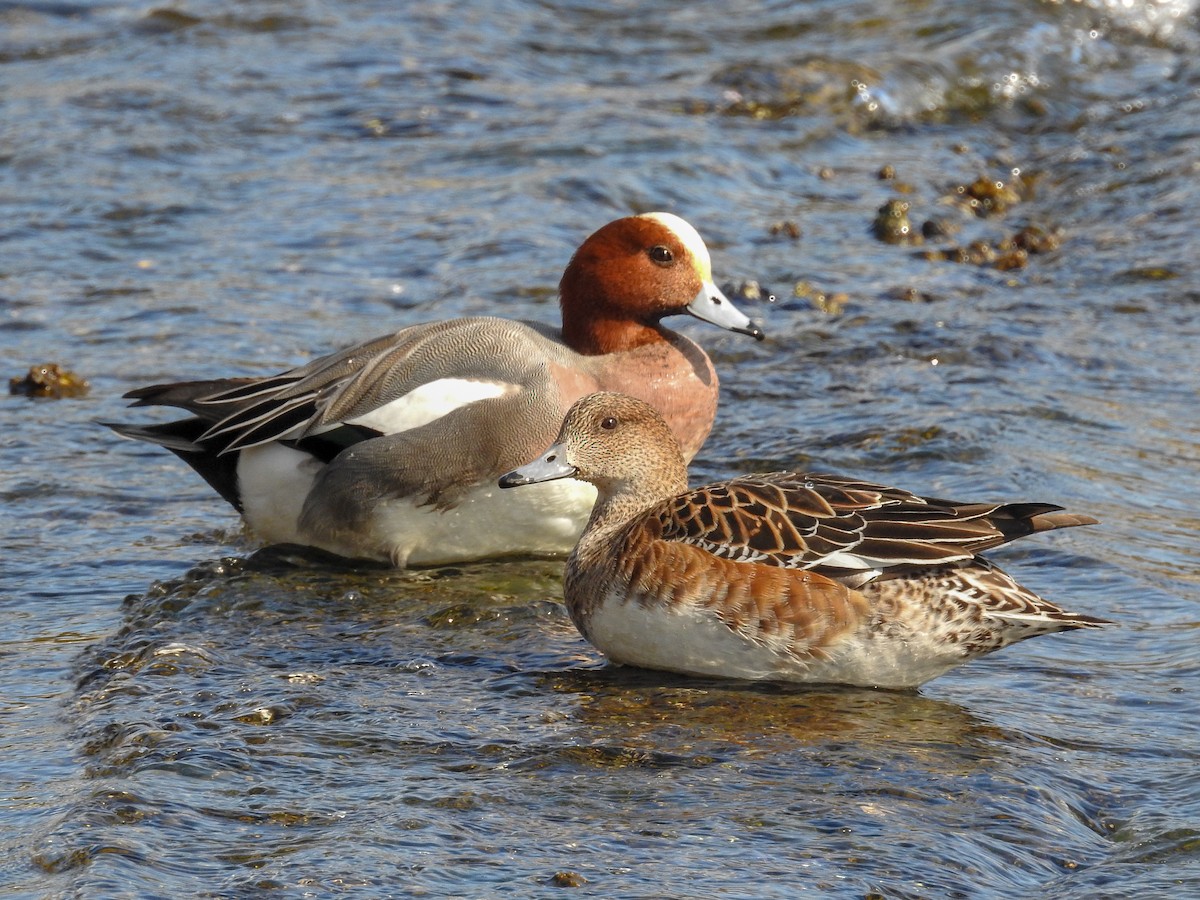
(218, 469)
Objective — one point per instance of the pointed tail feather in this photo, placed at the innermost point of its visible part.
(189, 395)
(1015, 520)
(1050, 521)
(175, 436)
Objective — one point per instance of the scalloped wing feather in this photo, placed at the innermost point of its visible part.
(841, 527)
(798, 614)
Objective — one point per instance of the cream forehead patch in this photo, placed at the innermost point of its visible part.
(688, 236)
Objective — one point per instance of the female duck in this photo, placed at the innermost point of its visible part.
(390, 450)
(806, 578)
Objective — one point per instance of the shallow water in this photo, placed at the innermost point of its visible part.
(205, 189)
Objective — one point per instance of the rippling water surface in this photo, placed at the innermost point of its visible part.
(210, 188)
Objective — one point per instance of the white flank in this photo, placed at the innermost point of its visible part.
(273, 481)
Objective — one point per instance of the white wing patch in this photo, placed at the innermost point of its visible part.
(843, 559)
(430, 402)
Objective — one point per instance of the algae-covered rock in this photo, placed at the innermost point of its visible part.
(49, 380)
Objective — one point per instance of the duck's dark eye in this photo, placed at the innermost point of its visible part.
(662, 255)
(608, 423)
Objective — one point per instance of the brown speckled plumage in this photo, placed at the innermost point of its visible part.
(819, 577)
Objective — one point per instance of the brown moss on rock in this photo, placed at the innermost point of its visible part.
(49, 380)
(892, 226)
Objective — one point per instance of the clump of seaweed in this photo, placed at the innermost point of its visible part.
(892, 226)
(49, 380)
(987, 197)
(1012, 252)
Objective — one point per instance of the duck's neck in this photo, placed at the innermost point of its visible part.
(614, 510)
(600, 334)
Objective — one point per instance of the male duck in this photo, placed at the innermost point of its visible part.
(788, 577)
(390, 450)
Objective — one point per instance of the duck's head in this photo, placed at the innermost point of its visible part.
(630, 274)
(618, 443)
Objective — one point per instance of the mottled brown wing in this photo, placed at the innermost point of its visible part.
(798, 613)
(851, 530)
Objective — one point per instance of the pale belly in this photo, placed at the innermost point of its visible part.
(696, 642)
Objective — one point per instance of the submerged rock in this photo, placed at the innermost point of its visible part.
(891, 224)
(49, 380)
